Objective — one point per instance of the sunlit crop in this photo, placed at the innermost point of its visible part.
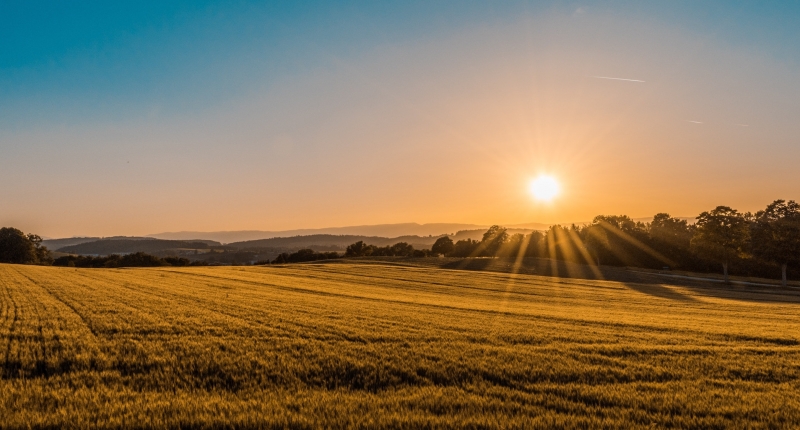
(357, 345)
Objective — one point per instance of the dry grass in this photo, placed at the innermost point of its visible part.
(377, 346)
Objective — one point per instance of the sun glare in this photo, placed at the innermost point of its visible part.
(544, 188)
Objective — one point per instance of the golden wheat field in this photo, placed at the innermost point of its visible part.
(383, 346)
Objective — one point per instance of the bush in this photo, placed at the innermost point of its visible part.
(304, 255)
(139, 259)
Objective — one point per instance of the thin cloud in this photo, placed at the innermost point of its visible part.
(694, 122)
(616, 79)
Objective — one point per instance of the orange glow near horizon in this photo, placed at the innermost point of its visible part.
(451, 129)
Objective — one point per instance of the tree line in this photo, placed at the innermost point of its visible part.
(757, 244)
(17, 247)
(20, 248)
(137, 259)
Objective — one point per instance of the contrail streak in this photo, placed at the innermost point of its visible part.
(694, 122)
(616, 79)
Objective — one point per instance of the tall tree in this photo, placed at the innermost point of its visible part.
(358, 249)
(535, 244)
(775, 234)
(42, 253)
(493, 239)
(17, 247)
(721, 234)
(514, 246)
(621, 222)
(625, 242)
(401, 249)
(443, 246)
(671, 237)
(595, 237)
(465, 248)
(673, 231)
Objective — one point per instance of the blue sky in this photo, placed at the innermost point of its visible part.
(98, 61)
(111, 59)
(257, 92)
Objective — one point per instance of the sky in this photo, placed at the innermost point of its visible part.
(133, 118)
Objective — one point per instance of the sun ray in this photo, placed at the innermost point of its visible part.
(551, 252)
(585, 254)
(635, 242)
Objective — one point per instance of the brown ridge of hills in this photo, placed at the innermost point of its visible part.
(342, 241)
(131, 245)
(56, 244)
(284, 241)
(319, 242)
(379, 230)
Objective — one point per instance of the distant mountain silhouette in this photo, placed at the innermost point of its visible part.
(340, 242)
(56, 244)
(130, 245)
(380, 230)
(418, 235)
(330, 241)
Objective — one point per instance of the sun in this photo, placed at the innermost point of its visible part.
(544, 188)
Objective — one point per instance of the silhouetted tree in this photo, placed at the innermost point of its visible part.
(535, 244)
(513, 246)
(621, 222)
(628, 243)
(721, 235)
(304, 255)
(671, 237)
(401, 249)
(419, 253)
(139, 259)
(358, 249)
(177, 261)
(493, 239)
(775, 234)
(465, 248)
(18, 248)
(565, 243)
(443, 245)
(595, 238)
(42, 253)
(673, 231)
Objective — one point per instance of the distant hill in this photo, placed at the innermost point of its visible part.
(380, 230)
(340, 242)
(330, 241)
(130, 245)
(419, 235)
(55, 244)
(477, 234)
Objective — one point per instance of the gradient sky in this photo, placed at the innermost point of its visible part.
(122, 118)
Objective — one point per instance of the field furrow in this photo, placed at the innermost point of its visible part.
(352, 345)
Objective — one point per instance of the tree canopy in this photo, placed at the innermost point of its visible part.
(18, 248)
(721, 234)
(443, 246)
(775, 234)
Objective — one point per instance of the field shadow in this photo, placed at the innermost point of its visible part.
(651, 283)
(661, 291)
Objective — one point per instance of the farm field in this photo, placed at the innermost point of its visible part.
(352, 345)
